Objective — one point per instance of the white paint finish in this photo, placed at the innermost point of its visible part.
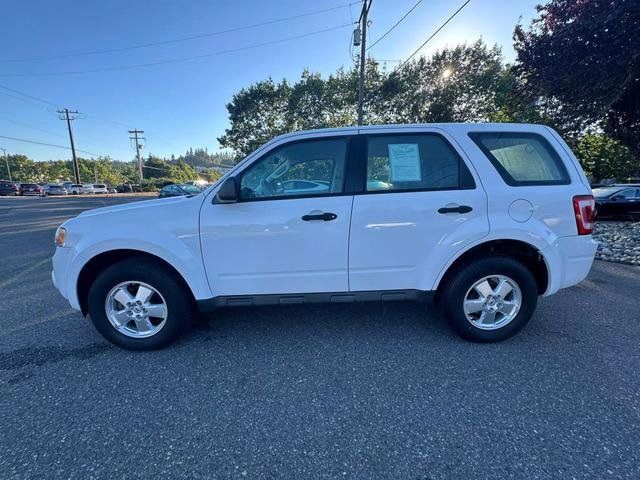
(263, 247)
(569, 260)
(552, 204)
(399, 240)
(521, 210)
(167, 228)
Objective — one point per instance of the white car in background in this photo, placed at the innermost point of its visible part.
(100, 188)
(55, 189)
(87, 188)
(74, 188)
(485, 217)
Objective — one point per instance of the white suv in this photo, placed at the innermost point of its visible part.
(100, 188)
(486, 217)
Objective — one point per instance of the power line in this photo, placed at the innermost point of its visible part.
(23, 124)
(47, 144)
(180, 59)
(431, 36)
(183, 39)
(33, 97)
(90, 116)
(394, 25)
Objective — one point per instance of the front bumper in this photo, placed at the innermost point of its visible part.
(569, 260)
(61, 262)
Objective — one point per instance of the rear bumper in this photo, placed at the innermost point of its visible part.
(569, 260)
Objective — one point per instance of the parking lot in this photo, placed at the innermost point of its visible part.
(327, 391)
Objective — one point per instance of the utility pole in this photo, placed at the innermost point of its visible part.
(138, 146)
(68, 115)
(366, 5)
(6, 161)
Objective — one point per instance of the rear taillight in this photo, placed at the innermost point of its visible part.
(584, 209)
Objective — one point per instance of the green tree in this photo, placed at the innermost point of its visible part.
(602, 158)
(256, 114)
(465, 83)
(582, 60)
(458, 84)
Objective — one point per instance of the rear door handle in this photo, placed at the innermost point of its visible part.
(326, 216)
(456, 209)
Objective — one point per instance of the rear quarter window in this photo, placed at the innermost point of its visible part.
(522, 158)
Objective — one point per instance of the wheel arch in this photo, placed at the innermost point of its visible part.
(99, 262)
(529, 255)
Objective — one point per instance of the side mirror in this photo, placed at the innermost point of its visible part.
(228, 192)
(617, 197)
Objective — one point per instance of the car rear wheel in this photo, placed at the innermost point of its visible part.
(138, 305)
(490, 299)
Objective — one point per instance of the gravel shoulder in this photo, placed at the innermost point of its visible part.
(618, 242)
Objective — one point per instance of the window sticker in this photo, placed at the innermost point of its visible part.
(405, 162)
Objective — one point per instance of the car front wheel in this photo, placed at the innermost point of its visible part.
(490, 299)
(139, 305)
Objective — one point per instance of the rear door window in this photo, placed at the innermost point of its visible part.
(522, 158)
(401, 162)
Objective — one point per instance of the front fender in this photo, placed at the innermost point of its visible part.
(183, 256)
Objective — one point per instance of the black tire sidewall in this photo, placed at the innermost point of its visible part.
(463, 280)
(178, 303)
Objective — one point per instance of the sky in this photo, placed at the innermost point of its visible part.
(182, 104)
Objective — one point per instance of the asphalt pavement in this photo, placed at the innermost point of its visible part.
(329, 391)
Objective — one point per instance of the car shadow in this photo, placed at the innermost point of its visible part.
(355, 320)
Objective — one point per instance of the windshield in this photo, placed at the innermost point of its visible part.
(605, 191)
(190, 189)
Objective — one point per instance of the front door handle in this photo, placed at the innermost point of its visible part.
(455, 209)
(325, 216)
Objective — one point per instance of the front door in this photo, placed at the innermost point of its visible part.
(421, 204)
(289, 231)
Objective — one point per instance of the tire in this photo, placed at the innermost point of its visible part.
(497, 269)
(167, 290)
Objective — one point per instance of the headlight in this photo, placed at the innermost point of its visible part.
(61, 235)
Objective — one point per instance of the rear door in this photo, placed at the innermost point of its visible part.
(420, 203)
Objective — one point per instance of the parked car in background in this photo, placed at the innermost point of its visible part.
(128, 188)
(111, 190)
(485, 217)
(30, 189)
(87, 188)
(304, 186)
(618, 201)
(55, 189)
(178, 190)
(9, 188)
(74, 188)
(99, 188)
